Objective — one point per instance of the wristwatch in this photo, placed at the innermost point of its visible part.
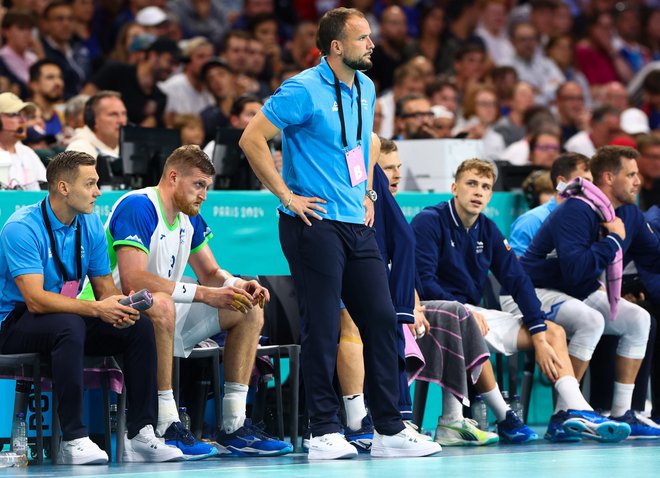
(371, 194)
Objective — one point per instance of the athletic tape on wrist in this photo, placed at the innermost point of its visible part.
(230, 282)
(184, 292)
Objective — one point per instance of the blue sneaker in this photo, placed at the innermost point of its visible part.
(179, 436)
(513, 430)
(589, 424)
(640, 427)
(362, 438)
(555, 432)
(250, 440)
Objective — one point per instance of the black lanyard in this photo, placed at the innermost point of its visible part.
(53, 246)
(341, 110)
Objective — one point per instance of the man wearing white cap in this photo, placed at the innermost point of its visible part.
(20, 167)
(634, 121)
(154, 20)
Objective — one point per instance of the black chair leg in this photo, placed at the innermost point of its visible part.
(121, 426)
(294, 371)
(419, 405)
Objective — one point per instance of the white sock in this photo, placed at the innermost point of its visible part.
(495, 401)
(355, 410)
(621, 398)
(452, 408)
(167, 411)
(233, 406)
(569, 396)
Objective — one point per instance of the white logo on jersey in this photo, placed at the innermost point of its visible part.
(135, 238)
(335, 107)
(480, 247)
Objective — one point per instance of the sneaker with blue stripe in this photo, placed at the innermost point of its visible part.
(589, 424)
(513, 430)
(250, 440)
(640, 428)
(179, 436)
(362, 438)
(555, 431)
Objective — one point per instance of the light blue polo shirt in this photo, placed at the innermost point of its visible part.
(25, 249)
(313, 155)
(526, 226)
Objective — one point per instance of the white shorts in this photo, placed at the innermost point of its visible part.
(585, 322)
(194, 322)
(504, 329)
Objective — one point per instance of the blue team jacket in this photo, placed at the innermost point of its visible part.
(568, 253)
(650, 280)
(396, 242)
(453, 263)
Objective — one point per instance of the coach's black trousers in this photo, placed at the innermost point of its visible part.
(330, 261)
(66, 338)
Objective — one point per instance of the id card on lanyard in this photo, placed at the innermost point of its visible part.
(355, 156)
(71, 285)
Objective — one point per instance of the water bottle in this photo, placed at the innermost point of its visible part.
(19, 439)
(505, 396)
(480, 413)
(516, 406)
(10, 459)
(184, 417)
(113, 418)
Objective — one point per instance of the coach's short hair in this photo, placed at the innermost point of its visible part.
(331, 27)
(64, 167)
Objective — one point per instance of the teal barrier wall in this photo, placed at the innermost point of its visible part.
(244, 224)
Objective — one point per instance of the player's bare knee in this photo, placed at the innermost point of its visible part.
(555, 333)
(255, 318)
(163, 312)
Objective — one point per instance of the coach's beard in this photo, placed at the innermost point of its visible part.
(361, 64)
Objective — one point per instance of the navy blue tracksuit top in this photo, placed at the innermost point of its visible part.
(396, 242)
(568, 254)
(453, 263)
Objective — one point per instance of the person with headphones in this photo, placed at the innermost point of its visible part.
(20, 167)
(104, 115)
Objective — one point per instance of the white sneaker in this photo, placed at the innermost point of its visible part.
(404, 443)
(415, 430)
(330, 446)
(81, 451)
(145, 447)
